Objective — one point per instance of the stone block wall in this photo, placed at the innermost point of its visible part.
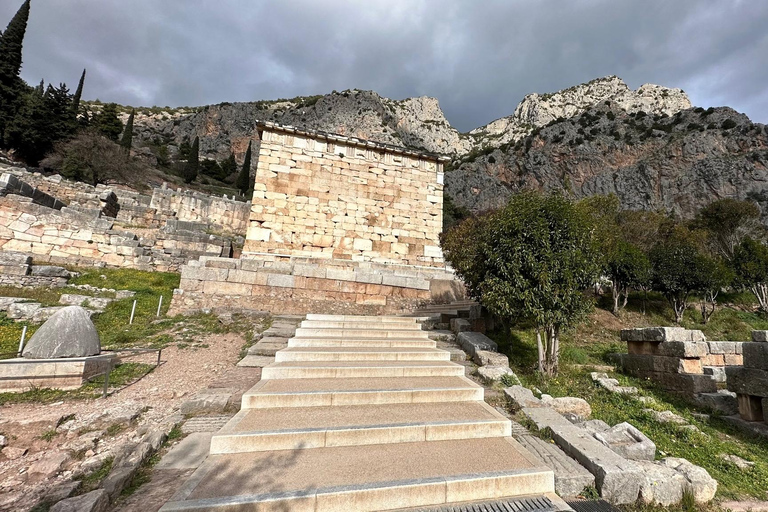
(750, 381)
(300, 285)
(329, 196)
(16, 269)
(68, 236)
(680, 360)
(222, 213)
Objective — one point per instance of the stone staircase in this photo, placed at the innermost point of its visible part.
(363, 414)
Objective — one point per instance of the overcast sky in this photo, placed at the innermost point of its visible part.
(479, 58)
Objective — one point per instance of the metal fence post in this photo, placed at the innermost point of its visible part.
(160, 351)
(21, 343)
(133, 310)
(159, 306)
(106, 382)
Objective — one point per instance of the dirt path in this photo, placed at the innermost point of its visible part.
(183, 372)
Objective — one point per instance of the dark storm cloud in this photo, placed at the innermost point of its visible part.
(479, 58)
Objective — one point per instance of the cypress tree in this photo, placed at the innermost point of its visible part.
(78, 94)
(193, 162)
(244, 178)
(228, 166)
(127, 140)
(12, 88)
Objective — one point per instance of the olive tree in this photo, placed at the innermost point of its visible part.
(750, 263)
(531, 260)
(728, 221)
(628, 267)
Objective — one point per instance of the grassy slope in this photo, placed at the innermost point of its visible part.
(590, 344)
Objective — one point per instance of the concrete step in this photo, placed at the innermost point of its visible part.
(364, 333)
(363, 478)
(377, 326)
(325, 392)
(316, 427)
(360, 369)
(361, 354)
(355, 318)
(361, 342)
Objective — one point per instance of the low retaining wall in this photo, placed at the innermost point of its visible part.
(298, 285)
(679, 360)
(750, 381)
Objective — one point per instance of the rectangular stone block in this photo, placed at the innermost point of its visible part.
(755, 355)
(682, 349)
(750, 407)
(747, 381)
(636, 335)
(280, 280)
(760, 336)
(642, 347)
(722, 347)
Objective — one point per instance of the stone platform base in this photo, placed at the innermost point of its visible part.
(284, 284)
(21, 374)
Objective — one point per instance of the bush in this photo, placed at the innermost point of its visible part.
(93, 158)
(728, 124)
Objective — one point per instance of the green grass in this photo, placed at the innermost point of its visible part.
(91, 481)
(591, 343)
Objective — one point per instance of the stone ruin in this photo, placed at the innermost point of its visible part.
(63, 354)
(61, 221)
(337, 224)
(750, 381)
(684, 362)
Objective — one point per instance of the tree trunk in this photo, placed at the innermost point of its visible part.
(761, 292)
(615, 292)
(540, 345)
(550, 348)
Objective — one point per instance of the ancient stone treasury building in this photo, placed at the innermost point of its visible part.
(337, 224)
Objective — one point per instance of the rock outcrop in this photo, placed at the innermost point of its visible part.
(674, 162)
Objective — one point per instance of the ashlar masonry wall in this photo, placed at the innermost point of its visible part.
(328, 196)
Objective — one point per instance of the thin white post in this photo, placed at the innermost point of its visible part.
(159, 306)
(23, 335)
(133, 310)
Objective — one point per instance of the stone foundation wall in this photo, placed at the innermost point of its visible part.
(71, 237)
(329, 196)
(25, 374)
(680, 360)
(284, 284)
(750, 381)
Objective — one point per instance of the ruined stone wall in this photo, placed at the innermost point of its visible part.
(301, 285)
(72, 237)
(222, 213)
(328, 196)
(750, 381)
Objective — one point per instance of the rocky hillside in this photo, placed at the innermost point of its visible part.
(414, 122)
(650, 161)
(647, 145)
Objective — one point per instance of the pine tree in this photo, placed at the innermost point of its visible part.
(193, 162)
(107, 123)
(12, 87)
(78, 94)
(127, 141)
(244, 178)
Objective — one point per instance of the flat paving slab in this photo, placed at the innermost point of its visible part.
(303, 470)
(189, 453)
(205, 424)
(290, 418)
(356, 384)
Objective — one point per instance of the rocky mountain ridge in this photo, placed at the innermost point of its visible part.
(413, 122)
(674, 163)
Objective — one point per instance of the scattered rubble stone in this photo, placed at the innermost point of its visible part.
(488, 358)
(491, 374)
(521, 397)
(14, 452)
(568, 405)
(95, 501)
(703, 486)
(49, 465)
(666, 417)
(570, 476)
(627, 441)
(737, 461)
(611, 384)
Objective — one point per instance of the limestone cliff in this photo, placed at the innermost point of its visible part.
(676, 163)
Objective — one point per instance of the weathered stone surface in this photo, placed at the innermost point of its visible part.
(68, 333)
(50, 271)
(568, 405)
(628, 442)
(212, 400)
(760, 336)
(703, 486)
(471, 342)
(62, 491)
(667, 417)
(661, 484)
(491, 374)
(256, 361)
(685, 349)
(459, 325)
(488, 358)
(611, 384)
(49, 465)
(570, 477)
(755, 355)
(723, 401)
(94, 501)
(14, 452)
(520, 397)
(616, 478)
(748, 381)
(117, 480)
(737, 461)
